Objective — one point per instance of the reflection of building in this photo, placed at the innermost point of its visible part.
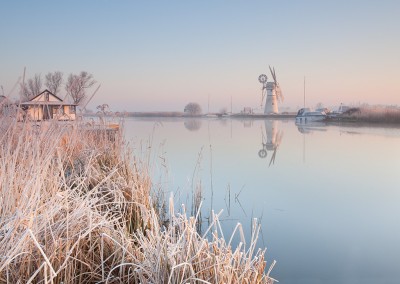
(46, 105)
(271, 141)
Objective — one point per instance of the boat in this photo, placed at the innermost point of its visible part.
(337, 113)
(307, 115)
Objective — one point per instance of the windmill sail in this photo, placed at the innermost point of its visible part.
(272, 92)
(278, 90)
(263, 80)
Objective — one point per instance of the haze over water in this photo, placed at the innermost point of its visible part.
(327, 204)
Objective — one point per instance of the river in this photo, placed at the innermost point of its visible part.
(327, 197)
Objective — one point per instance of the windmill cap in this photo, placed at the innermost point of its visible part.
(270, 85)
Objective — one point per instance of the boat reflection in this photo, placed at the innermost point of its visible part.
(311, 127)
(271, 140)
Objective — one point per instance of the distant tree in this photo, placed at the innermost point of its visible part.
(77, 85)
(53, 81)
(223, 110)
(192, 109)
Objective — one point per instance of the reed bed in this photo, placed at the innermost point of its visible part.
(76, 207)
(373, 115)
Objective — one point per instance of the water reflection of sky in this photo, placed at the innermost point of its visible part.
(328, 204)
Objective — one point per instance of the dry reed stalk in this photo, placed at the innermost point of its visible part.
(76, 208)
(375, 115)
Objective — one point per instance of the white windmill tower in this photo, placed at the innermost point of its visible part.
(273, 91)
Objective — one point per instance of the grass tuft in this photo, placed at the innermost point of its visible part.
(76, 208)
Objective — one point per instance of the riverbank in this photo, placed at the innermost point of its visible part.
(161, 114)
(371, 115)
(77, 207)
(376, 115)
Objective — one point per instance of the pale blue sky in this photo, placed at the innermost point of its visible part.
(160, 55)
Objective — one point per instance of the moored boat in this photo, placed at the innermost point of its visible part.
(307, 115)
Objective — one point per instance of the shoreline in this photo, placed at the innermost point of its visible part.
(343, 119)
(80, 207)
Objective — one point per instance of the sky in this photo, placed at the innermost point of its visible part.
(161, 55)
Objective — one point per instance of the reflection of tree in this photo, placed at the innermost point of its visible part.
(192, 124)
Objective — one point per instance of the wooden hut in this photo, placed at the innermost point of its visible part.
(47, 105)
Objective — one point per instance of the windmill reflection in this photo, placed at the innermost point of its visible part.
(270, 141)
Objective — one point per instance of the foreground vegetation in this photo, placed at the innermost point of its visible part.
(76, 207)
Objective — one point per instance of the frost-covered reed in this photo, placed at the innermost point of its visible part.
(76, 208)
(376, 114)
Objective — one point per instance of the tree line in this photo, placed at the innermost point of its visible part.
(75, 86)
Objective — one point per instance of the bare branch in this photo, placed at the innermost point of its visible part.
(54, 81)
(77, 84)
(32, 88)
(23, 91)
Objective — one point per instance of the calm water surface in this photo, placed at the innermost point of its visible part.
(327, 197)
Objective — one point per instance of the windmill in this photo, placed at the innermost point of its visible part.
(273, 92)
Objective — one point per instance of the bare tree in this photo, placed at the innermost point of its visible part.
(32, 88)
(35, 85)
(77, 84)
(24, 92)
(53, 81)
(102, 109)
(192, 109)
